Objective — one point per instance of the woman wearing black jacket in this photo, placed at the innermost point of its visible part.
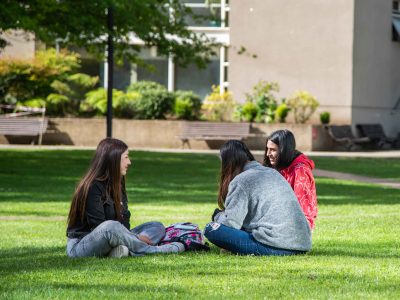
(99, 218)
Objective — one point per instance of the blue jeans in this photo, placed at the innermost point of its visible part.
(241, 242)
(111, 234)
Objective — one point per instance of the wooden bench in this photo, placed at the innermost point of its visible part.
(214, 131)
(23, 127)
(343, 134)
(19, 122)
(377, 136)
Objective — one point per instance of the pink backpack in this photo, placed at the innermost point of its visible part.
(189, 234)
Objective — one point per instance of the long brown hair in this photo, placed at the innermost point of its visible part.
(234, 156)
(105, 167)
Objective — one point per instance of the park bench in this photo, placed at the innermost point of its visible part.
(214, 131)
(377, 135)
(343, 134)
(14, 124)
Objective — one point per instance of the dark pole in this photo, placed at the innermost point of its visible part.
(110, 62)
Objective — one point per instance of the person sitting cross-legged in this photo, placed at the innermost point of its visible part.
(99, 218)
(281, 155)
(259, 213)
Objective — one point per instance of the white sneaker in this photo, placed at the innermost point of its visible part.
(174, 247)
(224, 251)
(119, 251)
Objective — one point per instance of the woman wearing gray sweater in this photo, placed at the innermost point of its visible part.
(259, 214)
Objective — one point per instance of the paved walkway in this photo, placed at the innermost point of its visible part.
(258, 153)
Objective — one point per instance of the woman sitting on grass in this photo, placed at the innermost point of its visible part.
(281, 154)
(261, 215)
(98, 221)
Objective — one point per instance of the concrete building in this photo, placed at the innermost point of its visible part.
(20, 45)
(344, 52)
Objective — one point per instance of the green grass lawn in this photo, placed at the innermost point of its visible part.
(388, 168)
(356, 247)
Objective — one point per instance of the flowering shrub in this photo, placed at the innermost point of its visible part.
(303, 105)
(217, 106)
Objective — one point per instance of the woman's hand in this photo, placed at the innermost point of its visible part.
(216, 212)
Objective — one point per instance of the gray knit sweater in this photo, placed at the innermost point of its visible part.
(262, 202)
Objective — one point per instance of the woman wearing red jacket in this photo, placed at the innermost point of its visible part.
(281, 154)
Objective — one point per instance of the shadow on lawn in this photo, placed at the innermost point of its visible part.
(356, 249)
(154, 178)
(118, 288)
(181, 191)
(30, 259)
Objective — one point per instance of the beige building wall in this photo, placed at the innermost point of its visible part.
(301, 44)
(21, 45)
(376, 70)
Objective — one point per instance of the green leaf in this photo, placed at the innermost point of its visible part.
(57, 99)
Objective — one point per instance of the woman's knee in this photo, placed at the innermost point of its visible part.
(156, 225)
(153, 231)
(111, 226)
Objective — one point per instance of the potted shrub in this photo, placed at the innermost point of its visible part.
(325, 117)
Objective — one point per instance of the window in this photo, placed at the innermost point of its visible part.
(396, 6)
(199, 81)
(212, 13)
(396, 21)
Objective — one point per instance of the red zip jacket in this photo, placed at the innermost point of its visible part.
(300, 177)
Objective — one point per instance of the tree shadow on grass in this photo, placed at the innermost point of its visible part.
(118, 288)
(48, 269)
(45, 176)
(31, 259)
(154, 178)
(356, 249)
(140, 193)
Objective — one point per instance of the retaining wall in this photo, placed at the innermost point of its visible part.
(164, 134)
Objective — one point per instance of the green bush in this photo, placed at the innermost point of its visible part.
(281, 112)
(68, 94)
(154, 101)
(217, 106)
(95, 102)
(49, 79)
(249, 111)
(126, 106)
(325, 117)
(187, 105)
(303, 105)
(263, 97)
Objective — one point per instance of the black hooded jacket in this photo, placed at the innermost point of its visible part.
(100, 207)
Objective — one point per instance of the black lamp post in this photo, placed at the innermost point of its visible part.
(110, 71)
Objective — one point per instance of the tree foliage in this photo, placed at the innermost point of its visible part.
(159, 23)
(49, 79)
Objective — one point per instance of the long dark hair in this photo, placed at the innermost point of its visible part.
(105, 167)
(234, 156)
(286, 142)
